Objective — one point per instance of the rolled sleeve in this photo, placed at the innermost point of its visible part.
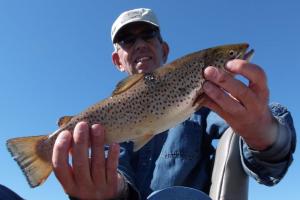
(269, 166)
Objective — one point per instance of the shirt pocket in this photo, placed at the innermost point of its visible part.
(180, 154)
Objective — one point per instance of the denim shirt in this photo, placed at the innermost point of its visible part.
(183, 155)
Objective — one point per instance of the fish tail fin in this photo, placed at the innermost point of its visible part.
(35, 165)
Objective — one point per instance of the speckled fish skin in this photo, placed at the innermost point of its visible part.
(142, 106)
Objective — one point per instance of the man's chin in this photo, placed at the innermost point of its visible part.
(143, 69)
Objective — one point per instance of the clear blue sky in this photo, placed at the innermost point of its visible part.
(55, 60)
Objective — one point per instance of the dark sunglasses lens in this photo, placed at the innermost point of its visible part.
(148, 35)
(129, 40)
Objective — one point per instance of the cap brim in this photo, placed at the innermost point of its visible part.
(121, 28)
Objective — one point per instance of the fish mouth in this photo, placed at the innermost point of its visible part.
(248, 55)
(245, 55)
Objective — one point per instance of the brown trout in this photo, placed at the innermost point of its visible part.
(140, 107)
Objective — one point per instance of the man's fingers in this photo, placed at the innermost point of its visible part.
(60, 157)
(255, 74)
(94, 178)
(97, 155)
(224, 100)
(235, 87)
(80, 160)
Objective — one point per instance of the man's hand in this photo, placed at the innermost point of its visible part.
(244, 107)
(87, 178)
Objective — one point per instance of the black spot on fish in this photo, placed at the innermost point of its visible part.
(182, 90)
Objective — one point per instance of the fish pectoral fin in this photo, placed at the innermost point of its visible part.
(198, 103)
(127, 83)
(63, 120)
(35, 165)
(141, 141)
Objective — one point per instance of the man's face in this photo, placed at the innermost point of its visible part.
(139, 49)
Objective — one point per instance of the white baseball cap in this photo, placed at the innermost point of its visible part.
(130, 16)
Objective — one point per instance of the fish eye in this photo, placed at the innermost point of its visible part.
(231, 52)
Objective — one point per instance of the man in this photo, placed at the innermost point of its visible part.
(181, 155)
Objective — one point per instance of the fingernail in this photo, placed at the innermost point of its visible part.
(210, 72)
(97, 130)
(62, 136)
(82, 125)
(229, 64)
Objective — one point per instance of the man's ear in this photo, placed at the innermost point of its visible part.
(116, 60)
(165, 48)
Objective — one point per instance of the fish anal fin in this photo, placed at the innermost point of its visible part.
(127, 83)
(63, 120)
(141, 141)
(25, 151)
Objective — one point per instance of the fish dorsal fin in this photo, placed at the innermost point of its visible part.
(63, 120)
(127, 83)
(169, 67)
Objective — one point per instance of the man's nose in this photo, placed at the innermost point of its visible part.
(140, 43)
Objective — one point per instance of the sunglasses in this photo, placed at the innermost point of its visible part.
(128, 40)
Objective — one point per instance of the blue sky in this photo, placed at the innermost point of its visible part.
(55, 60)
